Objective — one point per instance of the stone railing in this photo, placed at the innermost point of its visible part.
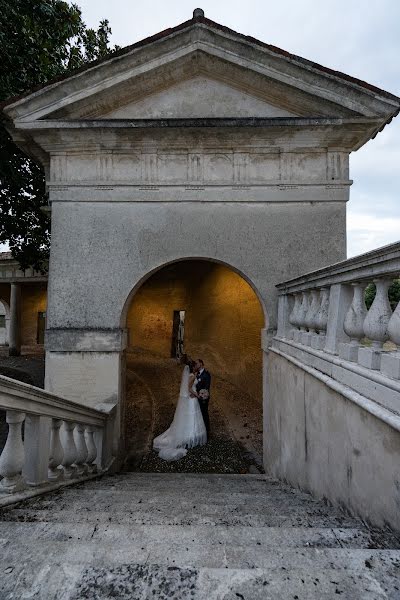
(323, 321)
(50, 439)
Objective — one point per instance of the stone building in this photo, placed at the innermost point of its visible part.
(194, 170)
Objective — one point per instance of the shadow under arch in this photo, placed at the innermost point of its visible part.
(226, 333)
(153, 271)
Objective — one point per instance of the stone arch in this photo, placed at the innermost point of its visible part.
(249, 355)
(150, 273)
(4, 309)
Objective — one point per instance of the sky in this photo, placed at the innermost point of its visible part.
(358, 37)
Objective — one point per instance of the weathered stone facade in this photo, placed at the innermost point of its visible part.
(199, 143)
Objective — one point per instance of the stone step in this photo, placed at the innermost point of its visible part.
(132, 580)
(188, 479)
(178, 515)
(135, 498)
(174, 537)
(192, 486)
(154, 494)
(219, 555)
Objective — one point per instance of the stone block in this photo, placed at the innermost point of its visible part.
(349, 351)
(297, 336)
(390, 364)
(318, 341)
(370, 358)
(306, 338)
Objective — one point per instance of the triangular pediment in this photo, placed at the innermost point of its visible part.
(198, 97)
(201, 69)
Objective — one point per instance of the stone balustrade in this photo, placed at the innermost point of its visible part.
(323, 313)
(51, 439)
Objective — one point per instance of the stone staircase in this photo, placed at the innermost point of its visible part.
(190, 536)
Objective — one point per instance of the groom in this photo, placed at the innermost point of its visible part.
(203, 383)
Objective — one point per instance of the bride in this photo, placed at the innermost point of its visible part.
(187, 428)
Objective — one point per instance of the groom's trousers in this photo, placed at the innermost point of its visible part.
(204, 411)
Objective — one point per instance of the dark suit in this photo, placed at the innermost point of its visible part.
(204, 383)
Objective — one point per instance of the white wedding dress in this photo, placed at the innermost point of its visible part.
(187, 428)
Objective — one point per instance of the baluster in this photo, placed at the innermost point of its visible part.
(92, 449)
(302, 315)
(294, 316)
(311, 316)
(12, 457)
(376, 326)
(70, 451)
(391, 360)
(81, 448)
(56, 451)
(321, 320)
(354, 324)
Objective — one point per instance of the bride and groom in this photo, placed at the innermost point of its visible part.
(191, 424)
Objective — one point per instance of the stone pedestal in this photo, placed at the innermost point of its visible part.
(297, 336)
(390, 364)
(370, 358)
(349, 351)
(306, 338)
(318, 341)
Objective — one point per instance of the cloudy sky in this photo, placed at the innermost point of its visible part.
(355, 36)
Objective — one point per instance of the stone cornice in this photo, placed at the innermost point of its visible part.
(250, 122)
(241, 193)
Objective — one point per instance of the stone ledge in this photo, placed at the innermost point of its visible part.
(374, 408)
(199, 192)
(371, 386)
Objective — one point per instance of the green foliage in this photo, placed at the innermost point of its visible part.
(39, 40)
(394, 294)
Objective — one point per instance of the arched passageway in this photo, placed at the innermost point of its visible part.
(207, 310)
(4, 322)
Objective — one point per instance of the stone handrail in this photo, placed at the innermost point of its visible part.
(325, 312)
(60, 440)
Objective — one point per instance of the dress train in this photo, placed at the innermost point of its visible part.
(187, 429)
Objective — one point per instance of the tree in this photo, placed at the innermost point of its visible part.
(393, 293)
(40, 40)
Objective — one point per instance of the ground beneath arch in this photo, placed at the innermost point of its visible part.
(235, 444)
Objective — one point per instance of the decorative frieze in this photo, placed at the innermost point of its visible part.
(209, 166)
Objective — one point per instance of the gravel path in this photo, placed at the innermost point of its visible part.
(235, 444)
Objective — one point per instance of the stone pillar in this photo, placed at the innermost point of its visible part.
(15, 320)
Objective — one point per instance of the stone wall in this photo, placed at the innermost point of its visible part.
(322, 442)
(223, 319)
